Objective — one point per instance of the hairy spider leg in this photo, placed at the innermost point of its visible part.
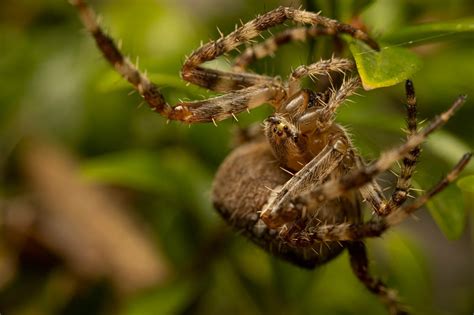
(220, 80)
(372, 192)
(193, 73)
(271, 44)
(320, 119)
(400, 194)
(360, 267)
(213, 109)
(295, 107)
(314, 173)
(318, 68)
(399, 215)
(229, 104)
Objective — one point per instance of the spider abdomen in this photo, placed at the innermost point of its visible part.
(242, 187)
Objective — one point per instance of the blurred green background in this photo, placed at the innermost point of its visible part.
(105, 208)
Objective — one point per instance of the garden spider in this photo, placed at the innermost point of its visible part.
(294, 188)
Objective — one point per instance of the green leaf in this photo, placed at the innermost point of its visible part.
(467, 184)
(423, 33)
(449, 212)
(449, 209)
(383, 68)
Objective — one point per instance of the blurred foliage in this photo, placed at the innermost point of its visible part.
(389, 66)
(55, 87)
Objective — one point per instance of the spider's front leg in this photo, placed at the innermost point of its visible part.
(322, 67)
(271, 45)
(194, 73)
(250, 90)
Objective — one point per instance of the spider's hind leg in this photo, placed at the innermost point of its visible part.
(360, 266)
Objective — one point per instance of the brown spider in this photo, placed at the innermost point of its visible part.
(298, 184)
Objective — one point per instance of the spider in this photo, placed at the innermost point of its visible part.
(296, 187)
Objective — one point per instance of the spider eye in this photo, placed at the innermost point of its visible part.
(286, 127)
(274, 129)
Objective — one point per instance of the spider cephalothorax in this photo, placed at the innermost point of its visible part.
(297, 184)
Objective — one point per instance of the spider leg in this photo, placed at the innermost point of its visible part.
(320, 118)
(224, 81)
(400, 214)
(220, 80)
(400, 194)
(315, 172)
(372, 192)
(253, 28)
(271, 45)
(122, 65)
(227, 105)
(360, 267)
(361, 176)
(214, 109)
(318, 68)
(377, 225)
